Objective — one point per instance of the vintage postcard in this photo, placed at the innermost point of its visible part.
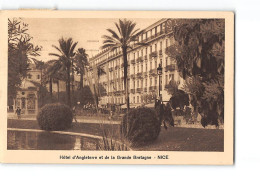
(117, 87)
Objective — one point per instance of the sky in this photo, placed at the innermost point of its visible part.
(87, 32)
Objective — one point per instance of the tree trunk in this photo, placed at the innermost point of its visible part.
(81, 81)
(50, 87)
(125, 78)
(68, 87)
(58, 87)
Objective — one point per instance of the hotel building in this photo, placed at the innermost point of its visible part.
(142, 68)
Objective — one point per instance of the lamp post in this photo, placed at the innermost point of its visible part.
(159, 73)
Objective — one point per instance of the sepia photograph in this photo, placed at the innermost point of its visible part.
(117, 84)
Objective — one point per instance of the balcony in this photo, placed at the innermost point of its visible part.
(153, 72)
(119, 92)
(139, 75)
(132, 91)
(153, 54)
(139, 59)
(139, 90)
(132, 76)
(169, 68)
(152, 88)
(167, 86)
(103, 93)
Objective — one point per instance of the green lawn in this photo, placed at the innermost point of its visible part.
(173, 139)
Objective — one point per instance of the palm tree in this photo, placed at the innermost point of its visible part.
(81, 61)
(65, 57)
(54, 72)
(124, 37)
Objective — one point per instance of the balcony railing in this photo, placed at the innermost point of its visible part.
(139, 75)
(152, 88)
(152, 72)
(132, 61)
(167, 86)
(153, 54)
(139, 90)
(169, 68)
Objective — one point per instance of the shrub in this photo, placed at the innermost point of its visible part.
(55, 117)
(141, 127)
(204, 122)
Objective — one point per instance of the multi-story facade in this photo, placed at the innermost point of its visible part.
(142, 68)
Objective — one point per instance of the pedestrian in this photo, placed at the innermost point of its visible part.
(74, 113)
(18, 112)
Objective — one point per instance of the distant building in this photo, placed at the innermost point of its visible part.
(142, 68)
(27, 94)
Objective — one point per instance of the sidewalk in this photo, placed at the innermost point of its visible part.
(80, 119)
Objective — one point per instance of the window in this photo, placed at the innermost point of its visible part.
(146, 67)
(142, 68)
(145, 82)
(145, 51)
(151, 81)
(134, 100)
(151, 49)
(29, 76)
(151, 65)
(171, 76)
(138, 84)
(155, 63)
(133, 84)
(141, 83)
(166, 61)
(155, 47)
(166, 43)
(38, 76)
(134, 55)
(137, 99)
(137, 68)
(160, 45)
(141, 52)
(166, 79)
(134, 69)
(155, 81)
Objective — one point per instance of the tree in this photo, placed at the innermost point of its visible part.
(21, 53)
(64, 62)
(124, 37)
(81, 61)
(199, 53)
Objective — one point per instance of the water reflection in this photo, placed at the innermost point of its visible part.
(21, 140)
